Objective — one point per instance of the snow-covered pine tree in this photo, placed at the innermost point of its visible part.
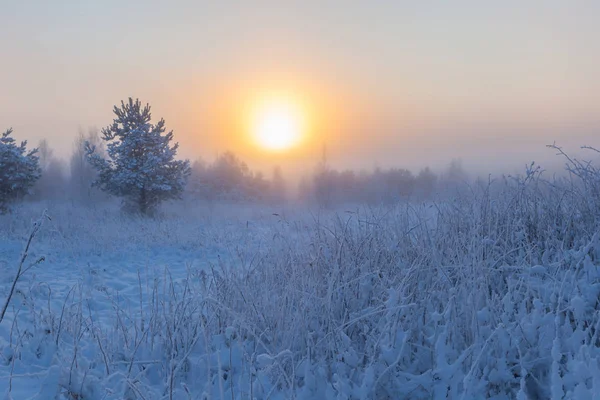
(19, 170)
(141, 165)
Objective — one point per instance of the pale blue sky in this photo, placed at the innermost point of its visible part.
(418, 82)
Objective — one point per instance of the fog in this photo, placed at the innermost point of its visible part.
(299, 199)
(389, 85)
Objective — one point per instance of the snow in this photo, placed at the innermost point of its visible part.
(229, 302)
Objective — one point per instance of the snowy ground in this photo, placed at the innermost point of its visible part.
(470, 299)
(101, 261)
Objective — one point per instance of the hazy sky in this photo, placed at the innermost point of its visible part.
(390, 82)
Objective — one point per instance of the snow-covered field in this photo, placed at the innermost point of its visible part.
(493, 294)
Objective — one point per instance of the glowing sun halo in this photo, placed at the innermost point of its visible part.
(277, 126)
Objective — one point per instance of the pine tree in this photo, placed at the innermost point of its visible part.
(19, 170)
(141, 165)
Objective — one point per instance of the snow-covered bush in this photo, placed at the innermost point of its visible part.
(19, 170)
(141, 165)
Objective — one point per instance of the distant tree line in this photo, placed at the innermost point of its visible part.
(229, 178)
(330, 187)
(135, 160)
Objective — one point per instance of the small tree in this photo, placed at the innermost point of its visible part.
(141, 165)
(19, 170)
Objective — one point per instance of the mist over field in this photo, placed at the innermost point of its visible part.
(299, 200)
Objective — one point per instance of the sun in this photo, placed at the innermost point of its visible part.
(277, 125)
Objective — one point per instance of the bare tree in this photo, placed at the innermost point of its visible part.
(82, 173)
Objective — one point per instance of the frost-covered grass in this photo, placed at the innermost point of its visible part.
(490, 294)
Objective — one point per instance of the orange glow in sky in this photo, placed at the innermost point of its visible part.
(403, 84)
(275, 122)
